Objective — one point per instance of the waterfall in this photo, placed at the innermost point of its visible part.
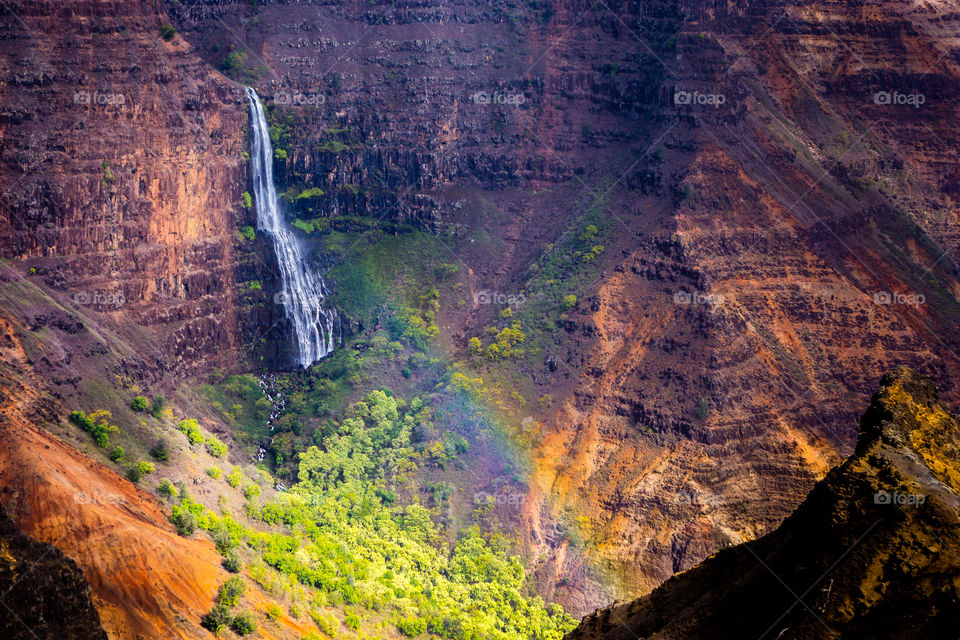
(302, 289)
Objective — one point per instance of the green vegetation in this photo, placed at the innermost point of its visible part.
(247, 201)
(228, 596)
(247, 233)
(216, 447)
(139, 404)
(108, 177)
(310, 226)
(243, 623)
(137, 471)
(160, 452)
(166, 489)
(235, 478)
(117, 454)
(184, 520)
(343, 534)
(167, 31)
(192, 429)
(214, 472)
(233, 62)
(332, 146)
(158, 407)
(232, 561)
(240, 402)
(97, 424)
(309, 193)
(505, 343)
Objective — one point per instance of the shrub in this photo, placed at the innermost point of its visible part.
(160, 452)
(214, 472)
(117, 454)
(234, 61)
(159, 404)
(133, 474)
(218, 618)
(231, 591)
(412, 627)
(569, 301)
(234, 478)
(475, 345)
(247, 202)
(184, 520)
(273, 611)
(250, 491)
(97, 424)
(167, 31)
(243, 623)
(232, 561)
(352, 620)
(139, 404)
(166, 489)
(192, 428)
(216, 447)
(145, 467)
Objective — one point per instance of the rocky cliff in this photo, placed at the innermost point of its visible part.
(871, 552)
(123, 168)
(775, 179)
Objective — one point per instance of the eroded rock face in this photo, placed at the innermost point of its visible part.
(122, 173)
(871, 552)
(711, 372)
(776, 222)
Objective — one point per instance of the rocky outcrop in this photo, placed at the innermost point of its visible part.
(871, 552)
(44, 592)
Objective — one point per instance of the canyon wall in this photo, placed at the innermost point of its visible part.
(782, 227)
(123, 167)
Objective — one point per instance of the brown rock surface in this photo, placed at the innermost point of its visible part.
(147, 581)
(679, 427)
(871, 552)
(122, 169)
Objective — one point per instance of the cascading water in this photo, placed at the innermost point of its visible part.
(302, 289)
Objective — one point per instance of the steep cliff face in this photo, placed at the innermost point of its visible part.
(123, 165)
(780, 227)
(871, 552)
(776, 180)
